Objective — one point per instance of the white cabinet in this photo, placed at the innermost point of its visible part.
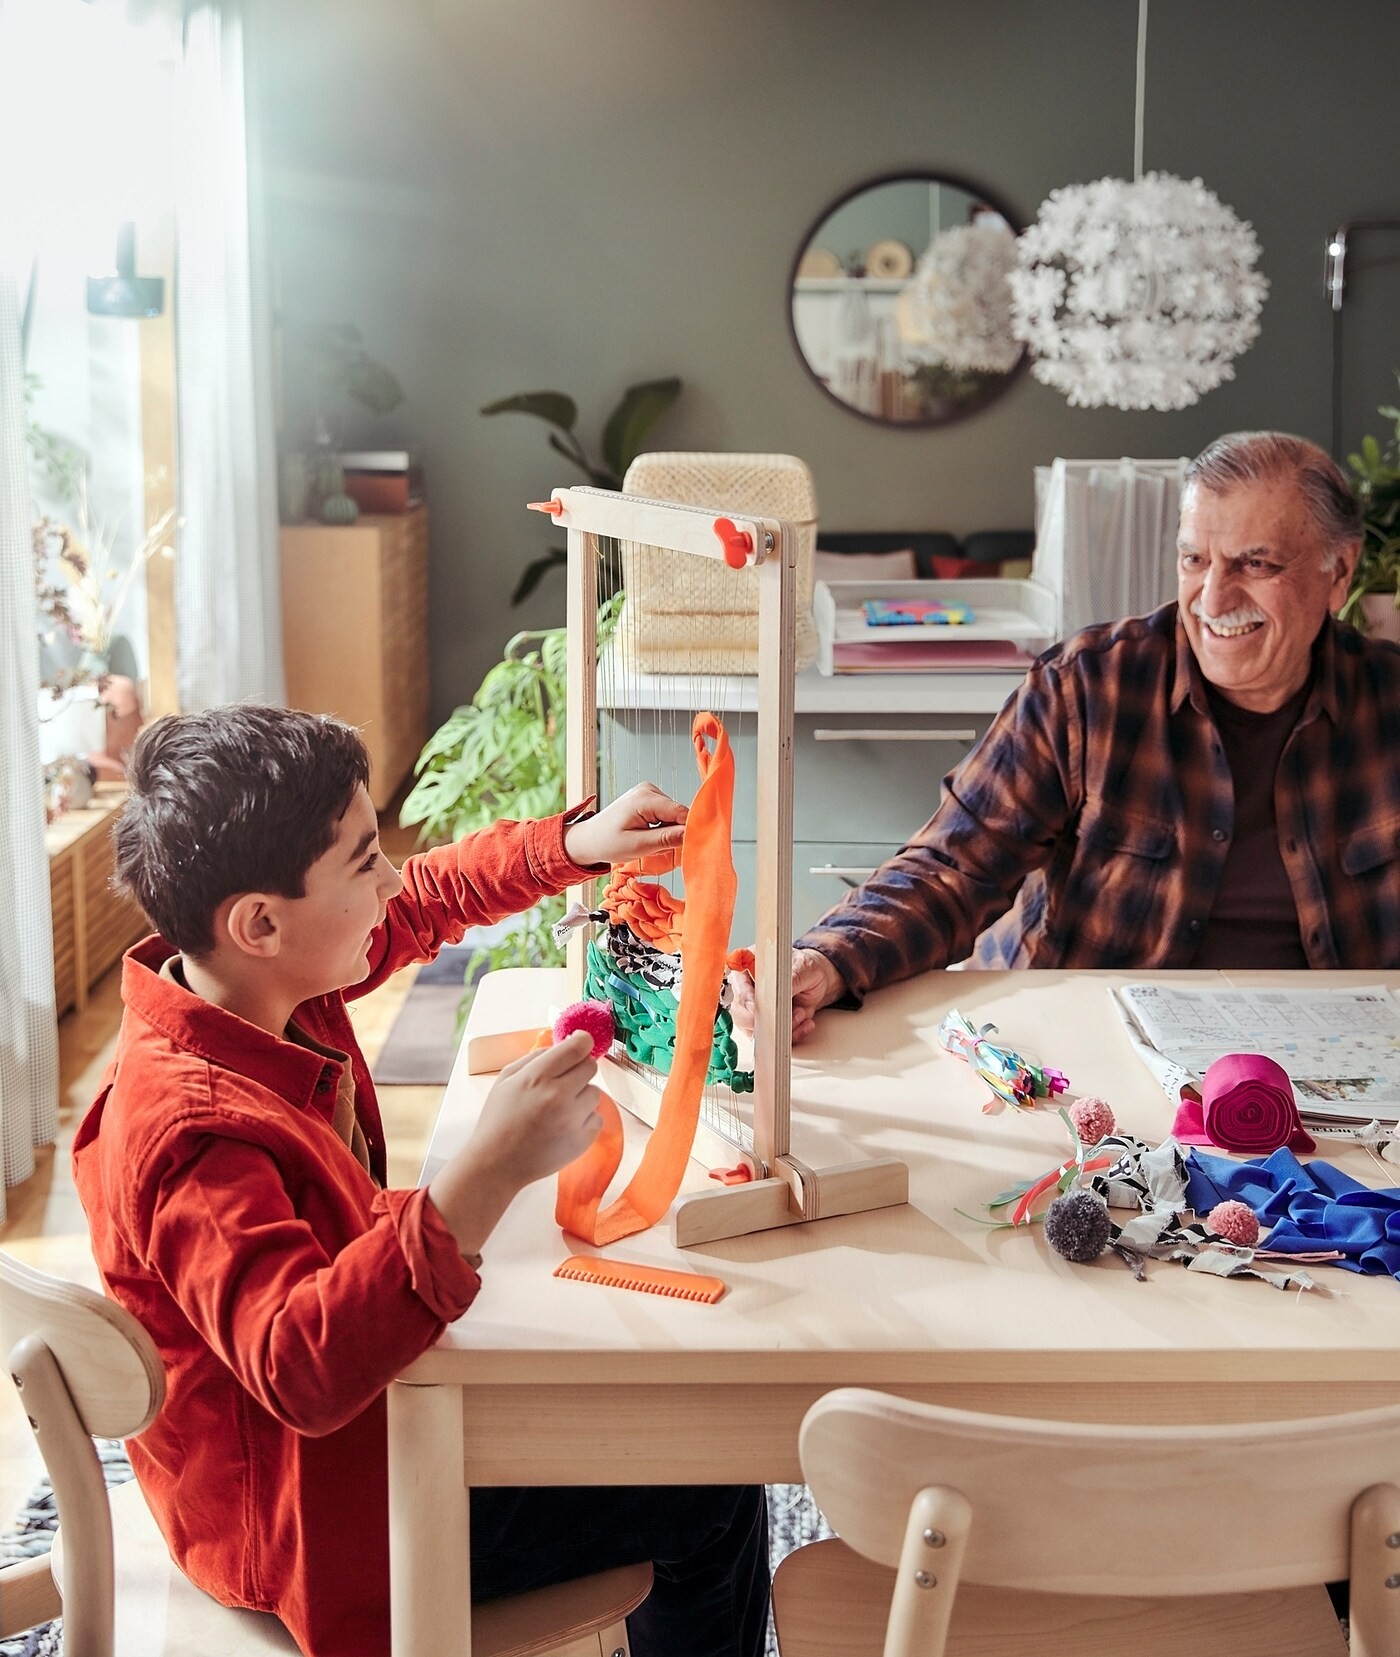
(868, 762)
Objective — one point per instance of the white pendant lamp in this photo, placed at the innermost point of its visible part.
(1136, 295)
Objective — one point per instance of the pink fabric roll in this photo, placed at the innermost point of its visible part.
(1246, 1105)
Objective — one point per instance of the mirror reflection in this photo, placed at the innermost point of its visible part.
(901, 307)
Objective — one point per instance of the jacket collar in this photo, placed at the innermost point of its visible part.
(211, 1033)
(1188, 682)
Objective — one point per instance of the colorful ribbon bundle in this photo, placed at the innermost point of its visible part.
(1014, 1079)
(1246, 1106)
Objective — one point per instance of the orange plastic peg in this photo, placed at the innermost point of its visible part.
(554, 508)
(738, 543)
(741, 1174)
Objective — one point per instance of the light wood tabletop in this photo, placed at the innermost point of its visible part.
(547, 1381)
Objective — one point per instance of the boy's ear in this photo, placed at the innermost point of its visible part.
(249, 922)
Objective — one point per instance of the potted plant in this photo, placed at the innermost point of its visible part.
(628, 424)
(503, 756)
(327, 368)
(1373, 600)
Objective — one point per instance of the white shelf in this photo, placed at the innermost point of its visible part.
(814, 692)
(847, 284)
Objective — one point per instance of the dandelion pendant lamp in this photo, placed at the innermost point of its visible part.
(1136, 295)
(958, 305)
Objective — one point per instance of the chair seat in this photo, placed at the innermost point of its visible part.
(160, 1613)
(828, 1601)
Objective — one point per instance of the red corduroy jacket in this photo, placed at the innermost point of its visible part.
(283, 1288)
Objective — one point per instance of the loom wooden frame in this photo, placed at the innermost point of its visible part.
(784, 1190)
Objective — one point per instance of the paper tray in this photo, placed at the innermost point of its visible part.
(1013, 621)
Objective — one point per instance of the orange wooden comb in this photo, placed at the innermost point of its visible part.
(652, 1280)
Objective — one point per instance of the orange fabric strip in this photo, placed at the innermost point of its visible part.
(710, 884)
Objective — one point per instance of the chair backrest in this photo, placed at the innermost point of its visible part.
(109, 1363)
(84, 1368)
(1095, 1509)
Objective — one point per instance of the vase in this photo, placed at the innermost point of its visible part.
(327, 476)
(293, 487)
(1381, 620)
(339, 509)
(73, 722)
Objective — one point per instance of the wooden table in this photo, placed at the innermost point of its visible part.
(546, 1381)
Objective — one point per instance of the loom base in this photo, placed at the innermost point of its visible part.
(794, 1197)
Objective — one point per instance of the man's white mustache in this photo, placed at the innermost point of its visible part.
(1236, 618)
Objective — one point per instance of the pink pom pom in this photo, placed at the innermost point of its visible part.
(1235, 1222)
(1093, 1120)
(594, 1016)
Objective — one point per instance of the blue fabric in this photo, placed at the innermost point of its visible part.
(1311, 1207)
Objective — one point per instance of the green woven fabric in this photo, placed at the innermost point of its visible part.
(646, 1022)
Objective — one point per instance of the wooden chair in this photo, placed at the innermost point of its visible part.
(86, 1368)
(987, 1536)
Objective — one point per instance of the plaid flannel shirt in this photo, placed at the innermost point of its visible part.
(1098, 811)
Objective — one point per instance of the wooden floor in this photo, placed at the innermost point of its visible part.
(45, 1224)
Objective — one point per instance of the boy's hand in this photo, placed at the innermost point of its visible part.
(637, 823)
(815, 984)
(541, 1113)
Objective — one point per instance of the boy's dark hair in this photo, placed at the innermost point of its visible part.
(234, 799)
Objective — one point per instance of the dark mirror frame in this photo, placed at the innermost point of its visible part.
(912, 176)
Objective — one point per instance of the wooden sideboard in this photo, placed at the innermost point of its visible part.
(355, 633)
(92, 923)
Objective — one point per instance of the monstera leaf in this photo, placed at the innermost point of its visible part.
(641, 407)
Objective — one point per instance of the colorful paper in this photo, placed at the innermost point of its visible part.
(915, 612)
(1013, 1078)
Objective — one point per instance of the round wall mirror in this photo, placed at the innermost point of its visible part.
(900, 304)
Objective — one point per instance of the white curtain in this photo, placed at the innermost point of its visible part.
(1105, 536)
(28, 1022)
(228, 603)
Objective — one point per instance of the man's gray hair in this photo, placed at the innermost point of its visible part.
(1263, 457)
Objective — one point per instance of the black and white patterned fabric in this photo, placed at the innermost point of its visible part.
(1153, 1180)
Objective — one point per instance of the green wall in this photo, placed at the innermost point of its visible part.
(518, 194)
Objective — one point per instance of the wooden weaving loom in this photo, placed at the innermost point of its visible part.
(768, 1185)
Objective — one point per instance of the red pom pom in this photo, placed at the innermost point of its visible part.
(594, 1016)
(1093, 1120)
(1235, 1222)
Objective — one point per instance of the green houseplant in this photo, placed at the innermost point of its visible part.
(502, 755)
(1376, 483)
(627, 426)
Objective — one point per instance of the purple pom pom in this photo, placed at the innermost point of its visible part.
(596, 1017)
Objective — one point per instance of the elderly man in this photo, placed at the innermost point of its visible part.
(1214, 784)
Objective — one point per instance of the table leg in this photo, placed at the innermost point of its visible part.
(430, 1607)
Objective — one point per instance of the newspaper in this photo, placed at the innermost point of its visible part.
(1340, 1047)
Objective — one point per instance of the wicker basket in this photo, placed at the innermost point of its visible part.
(696, 615)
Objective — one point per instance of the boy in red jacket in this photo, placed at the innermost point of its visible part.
(232, 1169)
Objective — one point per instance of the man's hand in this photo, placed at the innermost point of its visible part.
(541, 1113)
(815, 984)
(637, 823)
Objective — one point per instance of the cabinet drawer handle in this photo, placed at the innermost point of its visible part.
(886, 735)
(848, 877)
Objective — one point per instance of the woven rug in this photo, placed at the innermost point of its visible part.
(792, 1519)
(35, 1524)
(423, 1039)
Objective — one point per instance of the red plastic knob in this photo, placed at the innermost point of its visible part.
(738, 543)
